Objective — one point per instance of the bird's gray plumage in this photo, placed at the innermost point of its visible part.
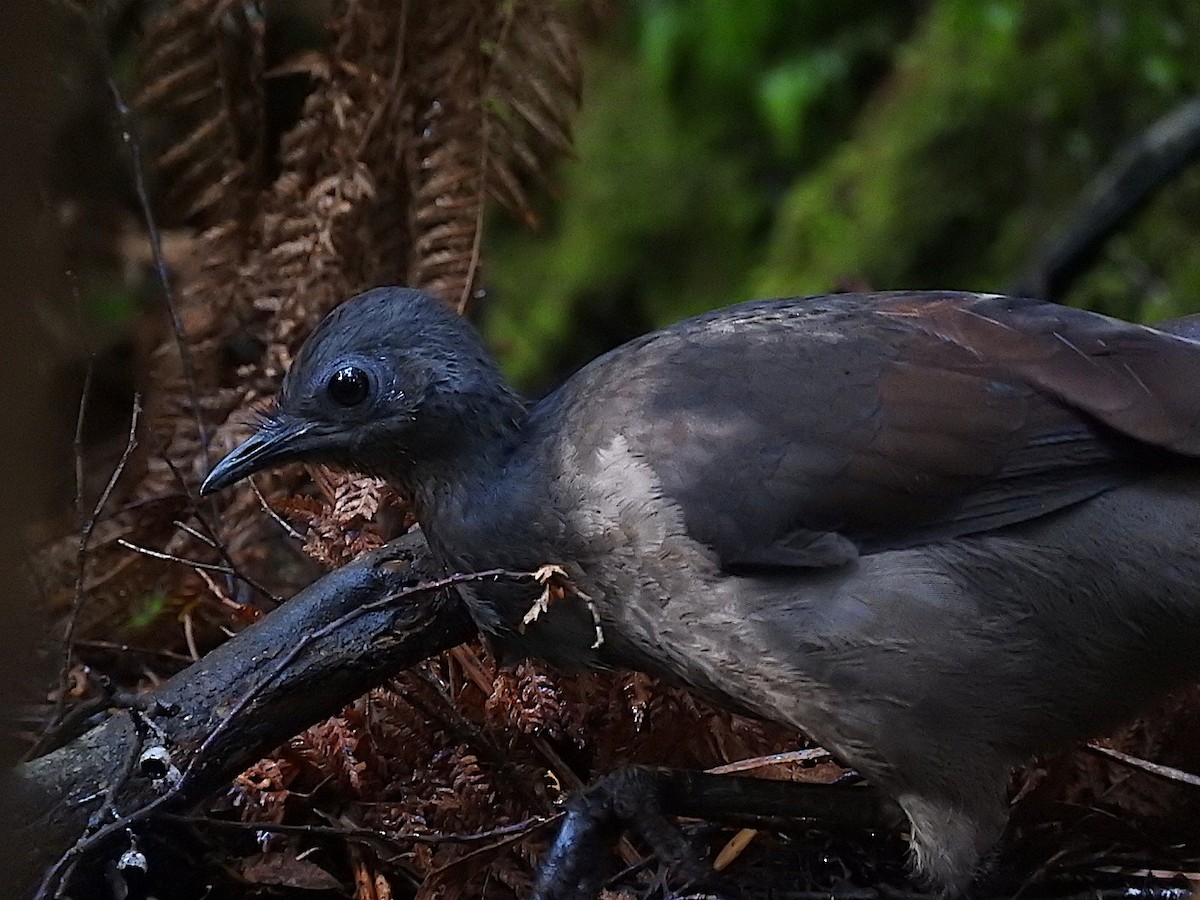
(939, 532)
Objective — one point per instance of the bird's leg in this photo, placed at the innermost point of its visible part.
(642, 798)
(576, 864)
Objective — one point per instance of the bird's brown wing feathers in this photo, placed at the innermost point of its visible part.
(801, 432)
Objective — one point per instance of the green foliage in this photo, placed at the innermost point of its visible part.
(149, 611)
(999, 113)
(112, 305)
(695, 115)
(1152, 271)
(652, 221)
(727, 151)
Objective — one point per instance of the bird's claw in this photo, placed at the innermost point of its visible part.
(556, 585)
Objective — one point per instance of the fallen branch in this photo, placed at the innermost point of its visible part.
(1140, 168)
(331, 643)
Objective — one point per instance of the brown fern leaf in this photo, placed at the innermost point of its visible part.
(262, 790)
(326, 544)
(527, 698)
(341, 524)
(204, 69)
(357, 500)
(399, 738)
(331, 750)
(340, 192)
(533, 92)
(446, 157)
(493, 108)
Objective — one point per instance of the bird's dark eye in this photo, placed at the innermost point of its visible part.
(349, 386)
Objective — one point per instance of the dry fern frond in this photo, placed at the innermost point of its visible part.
(204, 70)
(529, 699)
(492, 111)
(262, 791)
(533, 91)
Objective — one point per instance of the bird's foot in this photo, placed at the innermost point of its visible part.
(578, 861)
(641, 799)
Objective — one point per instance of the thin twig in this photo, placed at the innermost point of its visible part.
(360, 832)
(85, 394)
(117, 647)
(812, 754)
(214, 538)
(191, 563)
(189, 636)
(483, 851)
(217, 591)
(85, 539)
(1170, 773)
(282, 522)
(78, 444)
(154, 235)
(197, 534)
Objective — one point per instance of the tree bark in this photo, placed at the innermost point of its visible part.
(1140, 169)
(239, 702)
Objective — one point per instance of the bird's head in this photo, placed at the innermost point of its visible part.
(388, 381)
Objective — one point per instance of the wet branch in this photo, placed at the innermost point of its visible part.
(1141, 167)
(344, 634)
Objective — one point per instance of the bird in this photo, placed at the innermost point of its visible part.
(937, 532)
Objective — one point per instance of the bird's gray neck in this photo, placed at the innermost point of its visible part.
(473, 491)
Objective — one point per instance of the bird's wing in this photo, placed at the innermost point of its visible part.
(802, 432)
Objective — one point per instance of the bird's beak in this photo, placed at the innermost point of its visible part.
(274, 443)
